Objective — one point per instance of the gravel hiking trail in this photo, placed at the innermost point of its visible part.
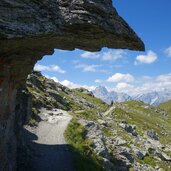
(48, 149)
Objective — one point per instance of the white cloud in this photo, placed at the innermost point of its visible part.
(88, 68)
(145, 84)
(128, 84)
(70, 84)
(118, 77)
(168, 51)
(146, 59)
(110, 55)
(53, 78)
(90, 88)
(164, 78)
(123, 86)
(53, 68)
(90, 55)
(113, 55)
(98, 81)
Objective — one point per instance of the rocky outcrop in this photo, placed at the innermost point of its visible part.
(30, 29)
(94, 133)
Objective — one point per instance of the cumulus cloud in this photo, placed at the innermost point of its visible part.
(164, 78)
(145, 84)
(52, 68)
(113, 55)
(110, 55)
(118, 77)
(87, 68)
(90, 68)
(53, 78)
(122, 86)
(71, 84)
(133, 86)
(168, 51)
(90, 55)
(146, 59)
(98, 81)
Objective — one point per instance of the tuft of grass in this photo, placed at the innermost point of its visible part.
(32, 122)
(89, 114)
(150, 161)
(84, 157)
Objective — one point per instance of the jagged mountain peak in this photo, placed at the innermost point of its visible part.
(101, 90)
(155, 97)
(109, 96)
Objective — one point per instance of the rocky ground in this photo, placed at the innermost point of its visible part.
(123, 147)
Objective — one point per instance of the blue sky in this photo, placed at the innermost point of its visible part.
(122, 70)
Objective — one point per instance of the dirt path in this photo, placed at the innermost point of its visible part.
(49, 151)
(109, 111)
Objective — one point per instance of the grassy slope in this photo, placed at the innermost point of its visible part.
(144, 117)
(38, 85)
(166, 106)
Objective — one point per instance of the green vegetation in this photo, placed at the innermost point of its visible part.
(61, 97)
(150, 160)
(145, 117)
(48, 94)
(166, 106)
(89, 114)
(32, 122)
(98, 103)
(85, 158)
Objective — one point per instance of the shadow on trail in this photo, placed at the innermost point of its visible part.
(41, 157)
(32, 156)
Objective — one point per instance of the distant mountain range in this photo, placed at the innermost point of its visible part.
(152, 98)
(102, 93)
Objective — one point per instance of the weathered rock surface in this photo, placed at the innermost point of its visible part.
(94, 133)
(152, 134)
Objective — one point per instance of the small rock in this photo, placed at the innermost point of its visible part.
(138, 152)
(161, 169)
(166, 157)
(102, 122)
(120, 141)
(129, 128)
(153, 135)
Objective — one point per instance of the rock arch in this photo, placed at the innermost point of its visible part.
(30, 29)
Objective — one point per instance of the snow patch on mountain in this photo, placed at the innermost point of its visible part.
(109, 96)
(152, 98)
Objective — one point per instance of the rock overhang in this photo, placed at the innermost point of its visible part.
(84, 24)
